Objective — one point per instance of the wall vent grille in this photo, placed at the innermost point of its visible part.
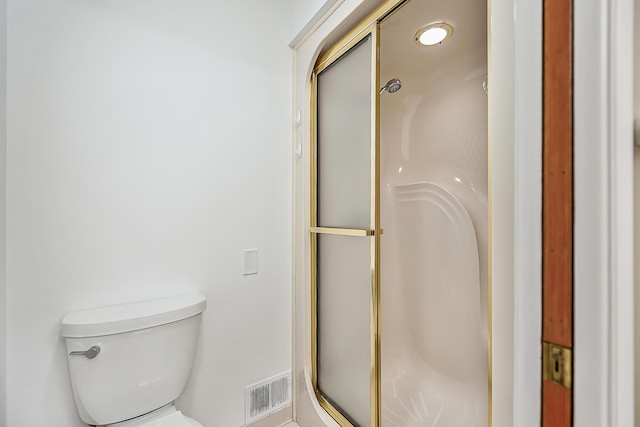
(267, 396)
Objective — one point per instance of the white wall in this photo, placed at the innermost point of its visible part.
(636, 170)
(527, 172)
(603, 196)
(302, 11)
(148, 145)
(3, 180)
(501, 184)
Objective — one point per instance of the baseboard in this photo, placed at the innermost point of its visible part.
(278, 418)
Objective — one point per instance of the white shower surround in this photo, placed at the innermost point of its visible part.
(434, 347)
(501, 103)
(434, 213)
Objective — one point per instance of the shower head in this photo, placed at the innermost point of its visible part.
(392, 86)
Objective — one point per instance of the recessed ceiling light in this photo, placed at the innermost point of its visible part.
(433, 34)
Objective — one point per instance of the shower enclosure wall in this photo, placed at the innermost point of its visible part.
(417, 353)
(434, 250)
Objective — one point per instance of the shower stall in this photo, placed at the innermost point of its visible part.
(398, 219)
(433, 210)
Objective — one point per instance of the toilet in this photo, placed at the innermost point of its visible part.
(129, 363)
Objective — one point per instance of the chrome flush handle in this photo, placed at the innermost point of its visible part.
(89, 354)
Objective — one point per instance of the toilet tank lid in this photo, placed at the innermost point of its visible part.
(132, 316)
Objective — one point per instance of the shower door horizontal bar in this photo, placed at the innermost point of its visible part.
(342, 231)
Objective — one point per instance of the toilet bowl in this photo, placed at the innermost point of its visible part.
(129, 363)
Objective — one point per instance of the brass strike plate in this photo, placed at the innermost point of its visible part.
(556, 364)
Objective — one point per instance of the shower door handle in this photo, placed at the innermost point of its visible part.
(91, 353)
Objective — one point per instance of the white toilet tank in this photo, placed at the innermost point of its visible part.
(135, 357)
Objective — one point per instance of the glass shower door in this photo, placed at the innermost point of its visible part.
(344, 238)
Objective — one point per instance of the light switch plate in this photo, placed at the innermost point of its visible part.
(250, 261)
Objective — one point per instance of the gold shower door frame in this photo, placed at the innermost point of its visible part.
(370, 26)
(372, 233)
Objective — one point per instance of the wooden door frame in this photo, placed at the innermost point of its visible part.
(557, 212)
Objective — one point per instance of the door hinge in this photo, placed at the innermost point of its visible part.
(557, 364)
